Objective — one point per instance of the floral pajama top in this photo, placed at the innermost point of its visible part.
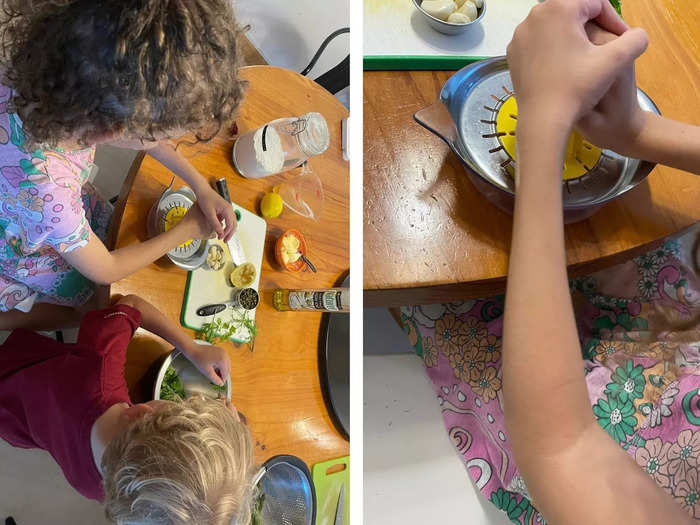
(639, 325)
(48, 209)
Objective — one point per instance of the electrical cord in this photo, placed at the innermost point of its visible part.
(323, 47)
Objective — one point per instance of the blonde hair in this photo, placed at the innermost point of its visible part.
(187, 462)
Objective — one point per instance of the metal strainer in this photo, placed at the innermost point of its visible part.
(288, 490)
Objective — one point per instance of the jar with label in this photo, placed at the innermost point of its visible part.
(329, 300)
(280, 145)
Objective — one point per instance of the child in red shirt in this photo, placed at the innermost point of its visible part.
(156, 462)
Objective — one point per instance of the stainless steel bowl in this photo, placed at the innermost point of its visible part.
(448, 28)
(464, 118)
(193, 255)
(193, 380)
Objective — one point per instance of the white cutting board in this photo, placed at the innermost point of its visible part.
(395, 28)
(208, 287)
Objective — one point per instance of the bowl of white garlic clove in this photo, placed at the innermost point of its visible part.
(451, 17)
(216, 257)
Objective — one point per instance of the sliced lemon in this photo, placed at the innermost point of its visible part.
(243, 276)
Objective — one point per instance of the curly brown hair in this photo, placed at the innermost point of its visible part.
(83, 68)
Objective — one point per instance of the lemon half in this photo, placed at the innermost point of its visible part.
(243, 276)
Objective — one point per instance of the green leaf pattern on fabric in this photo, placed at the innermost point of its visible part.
(509, 503)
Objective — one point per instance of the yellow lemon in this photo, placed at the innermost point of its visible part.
(243, 276)
(271, 205)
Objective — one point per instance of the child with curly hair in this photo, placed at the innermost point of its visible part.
(80, 73)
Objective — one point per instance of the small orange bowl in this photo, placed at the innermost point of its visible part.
(297, 265)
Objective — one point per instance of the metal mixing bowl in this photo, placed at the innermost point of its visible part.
(447, 28)
(193, 380)
(464, 118)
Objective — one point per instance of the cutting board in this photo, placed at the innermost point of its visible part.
(328, 489)
(208, 287)
(396, 36)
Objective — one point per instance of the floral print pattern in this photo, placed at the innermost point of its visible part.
(47, 209)
(683, 454)
(430, 352)
(449, 334)
(627, 382)
(616, 417)
(490, 345)
(653, 458)
(474, 330)
(639, 326)
(687, 493)
(487, 385)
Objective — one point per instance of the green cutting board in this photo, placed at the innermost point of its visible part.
(328, 489)
(208, 287)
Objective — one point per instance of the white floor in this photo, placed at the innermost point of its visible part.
(412, 473)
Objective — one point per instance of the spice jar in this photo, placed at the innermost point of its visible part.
(280, 145)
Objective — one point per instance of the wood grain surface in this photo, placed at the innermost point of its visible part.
(277, 386)
(429, 236)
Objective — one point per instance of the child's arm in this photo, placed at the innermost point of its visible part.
(101, 266)
(618, 123)
(558, 445)
(214, 207)
(212, 361)
(666, 142)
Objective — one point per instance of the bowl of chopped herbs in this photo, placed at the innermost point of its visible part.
(179, 379)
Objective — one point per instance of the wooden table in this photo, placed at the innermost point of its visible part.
(429, 236)
(277, 386)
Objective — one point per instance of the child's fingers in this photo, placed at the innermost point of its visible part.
(214, 221)
(624, 50)
(597, 35)
(231, 223)
(215, 376)
(610, 20)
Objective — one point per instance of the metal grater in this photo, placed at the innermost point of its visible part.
(190, 255)
(472, 99)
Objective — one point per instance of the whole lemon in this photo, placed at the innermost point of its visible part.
(271, 205)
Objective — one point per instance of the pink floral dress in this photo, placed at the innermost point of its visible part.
(48, 209)
(639, 326)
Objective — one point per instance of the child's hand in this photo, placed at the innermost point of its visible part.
(617, 120)
(558, 73)
(216, 210)
(212, 361)
(196, 225)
